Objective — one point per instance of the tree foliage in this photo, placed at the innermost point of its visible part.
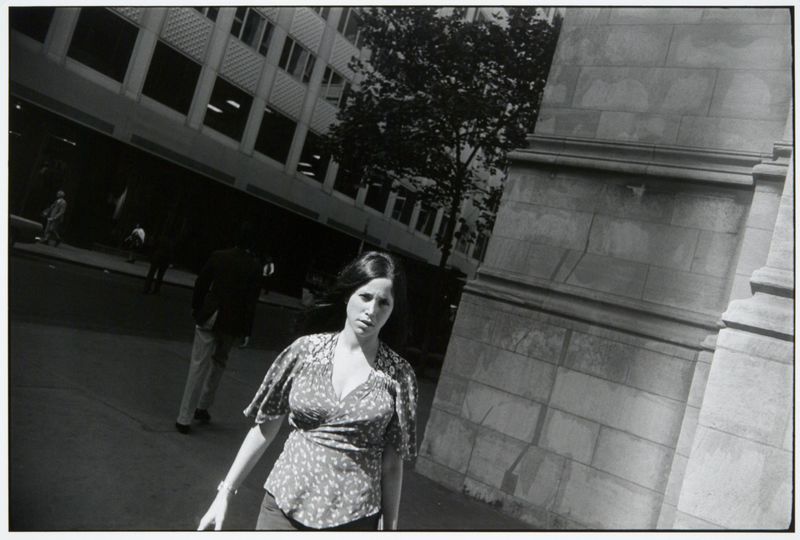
(440, 102)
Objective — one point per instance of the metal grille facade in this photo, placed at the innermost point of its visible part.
(242, 65)
(188, 31)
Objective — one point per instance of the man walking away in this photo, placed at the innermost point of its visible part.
(55, 217)
(223, 307)
(160, 260)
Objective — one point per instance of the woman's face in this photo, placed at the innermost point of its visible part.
(369, 307)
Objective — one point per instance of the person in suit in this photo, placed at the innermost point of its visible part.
(160, 260)
(223, 307)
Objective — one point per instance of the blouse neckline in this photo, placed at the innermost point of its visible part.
(334, 342)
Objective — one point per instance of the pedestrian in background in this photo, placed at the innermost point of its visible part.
(54, 214)
(160, 259)
(135, 241)
(223, 307)
(351, 402)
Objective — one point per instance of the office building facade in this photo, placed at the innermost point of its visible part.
(180, 117)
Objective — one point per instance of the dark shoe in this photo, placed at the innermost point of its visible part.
(202, 416)
(183, 428)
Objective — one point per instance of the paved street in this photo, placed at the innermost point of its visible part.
(96, 370)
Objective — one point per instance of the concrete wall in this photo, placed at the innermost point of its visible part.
(573, 389)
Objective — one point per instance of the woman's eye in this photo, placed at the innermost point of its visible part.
(364, 296)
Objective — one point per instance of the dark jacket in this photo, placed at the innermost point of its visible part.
(229, 282)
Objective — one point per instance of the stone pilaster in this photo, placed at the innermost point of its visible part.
(739, 472)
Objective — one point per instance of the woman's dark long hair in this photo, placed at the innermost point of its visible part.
(327, 313)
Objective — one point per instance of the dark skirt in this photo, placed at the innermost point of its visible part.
(272, 518)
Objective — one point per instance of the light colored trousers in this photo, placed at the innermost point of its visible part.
(209, 358)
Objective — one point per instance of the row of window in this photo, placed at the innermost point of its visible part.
(104, 41)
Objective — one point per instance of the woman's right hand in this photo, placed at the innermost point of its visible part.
(215, 514)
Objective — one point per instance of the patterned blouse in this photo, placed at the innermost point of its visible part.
(329, 472)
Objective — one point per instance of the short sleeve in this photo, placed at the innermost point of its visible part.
(401, 432)
(272, 398)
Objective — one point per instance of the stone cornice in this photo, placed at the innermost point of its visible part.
(677, 162)
(675, 326)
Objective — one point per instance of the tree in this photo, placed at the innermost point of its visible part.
(439, 104)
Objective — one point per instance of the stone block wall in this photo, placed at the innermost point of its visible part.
(561, 422)
(584, 385)
(572, 387)
(633, 237)
(566, 382)
(699, 77)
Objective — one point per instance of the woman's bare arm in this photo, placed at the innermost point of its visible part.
(255, 443)
(391, 486)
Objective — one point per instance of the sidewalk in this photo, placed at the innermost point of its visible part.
(94, 447)
(118, 265)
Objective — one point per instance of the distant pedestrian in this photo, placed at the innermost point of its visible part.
(54, 216)
(135, 241)
(160, 259)
(351, 402)
(223, 306)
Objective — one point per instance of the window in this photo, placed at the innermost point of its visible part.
(296, 60)
(481, 243)
(350, 25)
(227, 109)
(171, 78)
(103, 41)
(210, 12)
(347, 181)
(425, 219)
(313, 160)
(335, 87)
(275, 135)
(377, 196)
(252, 28)
(403, 205)
(443, 225)
(462, 242)
(322, 11)
(31, 21)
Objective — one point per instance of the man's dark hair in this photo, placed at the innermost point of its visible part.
(246, 237)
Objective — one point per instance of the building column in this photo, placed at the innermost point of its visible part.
(312, 92)
(208, 75)
(143, 51)
(739, 472)
(266, 80)
(387, 212)
(60, 34)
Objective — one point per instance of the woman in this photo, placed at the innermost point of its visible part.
(351, 402)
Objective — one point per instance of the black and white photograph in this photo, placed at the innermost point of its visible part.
(468, 268)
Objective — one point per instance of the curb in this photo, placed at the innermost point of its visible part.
(52, 256)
